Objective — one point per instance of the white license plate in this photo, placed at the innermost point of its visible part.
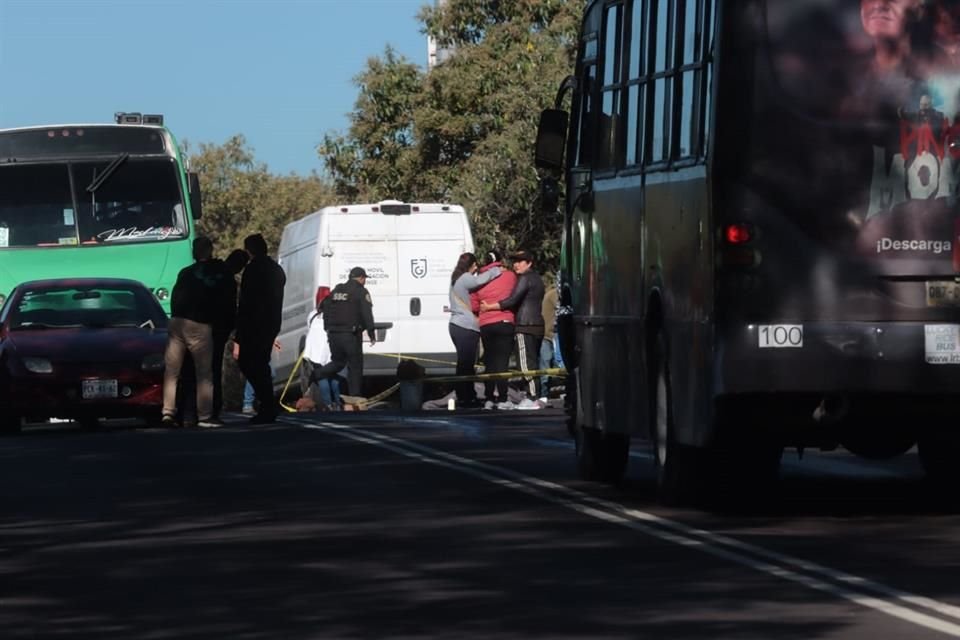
(780, 336)
(93, 389)
(942, 343)
(943, 293)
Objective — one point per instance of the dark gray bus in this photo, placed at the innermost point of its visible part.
(760, 245)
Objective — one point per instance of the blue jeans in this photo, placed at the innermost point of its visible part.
(248, 394)
(329, 391)
(547, 361)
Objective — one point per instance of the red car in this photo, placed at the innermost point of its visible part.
(82, 349)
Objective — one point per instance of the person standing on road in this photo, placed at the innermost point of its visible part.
(464, 326)
(258, 323)
(547, 358)
(496, 330)
(347, 314)
(527, 302)
(199, 297)
(225, 321)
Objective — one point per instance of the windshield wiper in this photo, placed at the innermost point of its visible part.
(103, 177)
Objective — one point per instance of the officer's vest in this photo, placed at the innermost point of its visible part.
(341, 310)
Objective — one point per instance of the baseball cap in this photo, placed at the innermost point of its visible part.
(522, 255)
(358, 272)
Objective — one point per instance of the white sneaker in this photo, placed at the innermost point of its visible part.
(488, 405)
(506, 405)
(528, 405)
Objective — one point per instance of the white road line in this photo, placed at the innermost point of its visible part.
(853, 588)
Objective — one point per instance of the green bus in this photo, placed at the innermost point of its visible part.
(98, 200)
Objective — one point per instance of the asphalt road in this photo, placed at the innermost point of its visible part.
(380, 525)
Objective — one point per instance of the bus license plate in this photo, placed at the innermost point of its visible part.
(943, 294)
(94, 389)
(780, 336)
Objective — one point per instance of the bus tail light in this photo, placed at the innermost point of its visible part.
(322, 292)
(738, 234)
(737, 249)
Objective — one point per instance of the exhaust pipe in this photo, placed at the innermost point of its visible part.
(831, 410)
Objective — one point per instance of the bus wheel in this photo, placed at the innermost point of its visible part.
(615, 455)
(938, 451)
(676, 464)
(588, 446)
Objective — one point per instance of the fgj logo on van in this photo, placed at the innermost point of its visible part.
(418, 267)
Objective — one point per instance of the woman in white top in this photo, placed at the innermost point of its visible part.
(316, 353)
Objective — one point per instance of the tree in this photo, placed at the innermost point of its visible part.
(371, 162)
(241, 196)
(464, 132)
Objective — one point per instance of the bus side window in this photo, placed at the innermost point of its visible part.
(608, 132)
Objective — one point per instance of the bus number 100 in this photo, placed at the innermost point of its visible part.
(781, 335)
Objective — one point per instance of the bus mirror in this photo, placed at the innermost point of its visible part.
(551, 135)
(196, 206)
(549, 194)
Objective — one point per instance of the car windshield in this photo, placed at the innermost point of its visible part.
(86, 306)
(115, 200)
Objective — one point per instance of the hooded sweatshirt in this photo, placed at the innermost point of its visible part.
(495, 291)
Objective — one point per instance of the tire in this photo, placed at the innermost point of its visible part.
(677, 468)
(588, 446)
(600, 456)
(615, 454)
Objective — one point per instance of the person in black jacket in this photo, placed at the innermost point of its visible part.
(526, 302)
(200, 296)
(347, 313)
(226, 320)
(258, 323)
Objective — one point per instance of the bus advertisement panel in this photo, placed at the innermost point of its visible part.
(95, 200)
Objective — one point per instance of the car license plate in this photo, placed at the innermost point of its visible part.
(93, 389)
(943, 293)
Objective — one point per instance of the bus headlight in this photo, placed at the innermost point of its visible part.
(38, 365)
(162, 293)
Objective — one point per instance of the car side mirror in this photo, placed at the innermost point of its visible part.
(196, 206)
(551, 138)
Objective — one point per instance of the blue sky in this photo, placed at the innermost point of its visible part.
(278, 71)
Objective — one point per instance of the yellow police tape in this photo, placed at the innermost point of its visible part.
(383, 395)
(401, 356)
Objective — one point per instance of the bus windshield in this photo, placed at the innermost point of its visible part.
(114, 200)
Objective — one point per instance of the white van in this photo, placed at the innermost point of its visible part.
(408, 251)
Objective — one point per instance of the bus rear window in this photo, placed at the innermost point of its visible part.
(139, 201)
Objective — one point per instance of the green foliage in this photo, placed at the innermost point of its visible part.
(371, 163)
(240, 195)
(464, 132)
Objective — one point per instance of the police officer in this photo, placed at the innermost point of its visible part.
(347, 313)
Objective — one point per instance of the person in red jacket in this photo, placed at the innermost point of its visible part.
(496, 329)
